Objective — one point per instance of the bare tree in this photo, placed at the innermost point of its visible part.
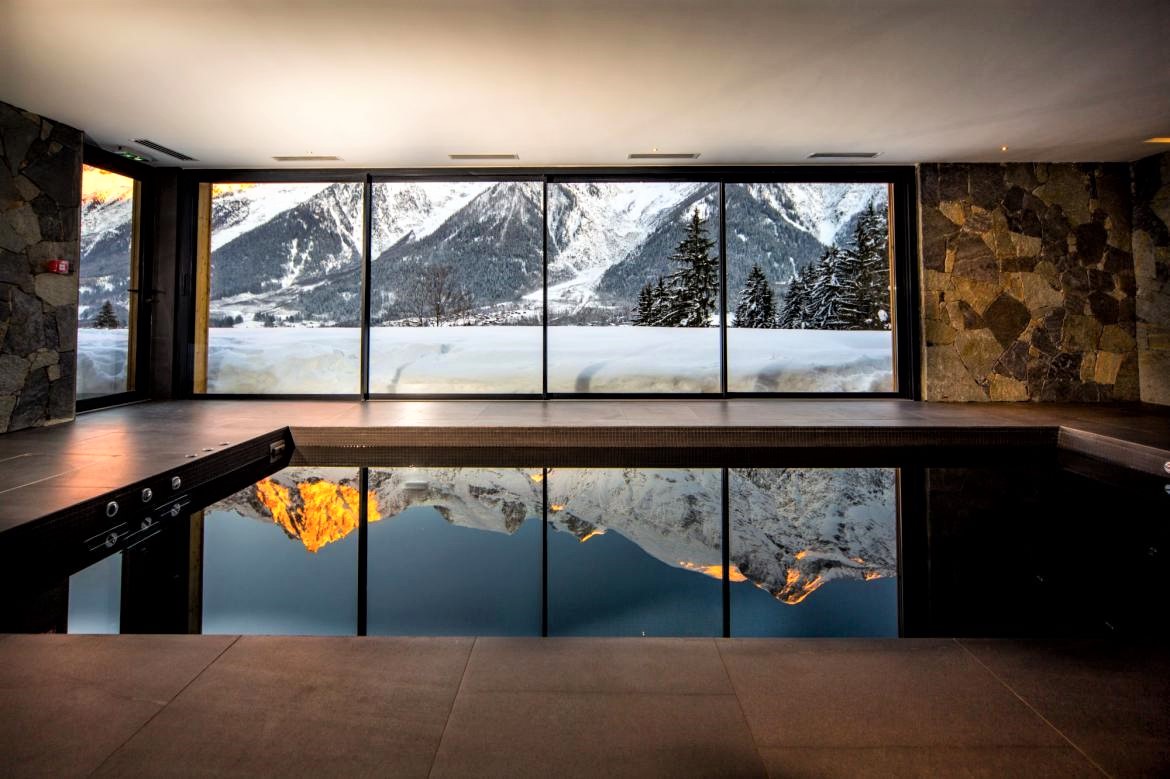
(433, 296)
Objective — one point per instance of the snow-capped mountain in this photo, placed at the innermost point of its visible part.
(294, 250)
(792, 530)
(104, 272)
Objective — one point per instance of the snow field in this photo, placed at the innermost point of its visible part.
(503, 359)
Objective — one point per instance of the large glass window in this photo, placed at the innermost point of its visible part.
(566, 286)
(456, 287)
(809, 288)
(282, 294)
(633, 295)
(107, 297)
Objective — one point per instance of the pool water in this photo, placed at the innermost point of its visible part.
(639, 551)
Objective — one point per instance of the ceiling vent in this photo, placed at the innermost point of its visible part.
(665, 155)
(490, 156)
(844, 155)
(308, 158)
(178, 155)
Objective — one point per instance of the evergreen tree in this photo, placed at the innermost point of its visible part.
(825, 293)
(644, 314)
(106, 318)
(871, 239)
(693, 288)
(794, 314)
(756, 306)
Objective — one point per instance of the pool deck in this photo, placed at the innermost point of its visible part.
(229, 705)
(295, 706)
(46, 470)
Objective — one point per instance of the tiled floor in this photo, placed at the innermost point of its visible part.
(193, 705)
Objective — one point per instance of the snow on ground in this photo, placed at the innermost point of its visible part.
(505, 359)
(101, 361)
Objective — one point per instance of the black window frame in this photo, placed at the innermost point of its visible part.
(903, 262)
(145, 175)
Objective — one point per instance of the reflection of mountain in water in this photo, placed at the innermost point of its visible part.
(792, 530)
(307, 505)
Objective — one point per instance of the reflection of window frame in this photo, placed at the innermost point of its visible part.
(139, 306)
(902, 236)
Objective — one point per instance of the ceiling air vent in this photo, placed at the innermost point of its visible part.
(665, 155)
(178, 155)
(489, 156)
(307, 158)
(845, 155)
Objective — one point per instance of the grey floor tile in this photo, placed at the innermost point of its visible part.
(596, 734)
(882, 762)
(645, 665)
(1111, 700)
(67, 702)
(868, 693)
(307, 707)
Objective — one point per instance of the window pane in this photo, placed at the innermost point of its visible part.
(809, 298)
(105, 278)
(456, 300)
(633, 287)
(813, 552)
(455, 551)
(634, 552)
(281, 556)
(285, 292)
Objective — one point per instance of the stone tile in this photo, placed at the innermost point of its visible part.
(869, 693)
(596, 734)
(306, 706)
(1108, 699)
(643, 665)
(992, 762)
(67, 702)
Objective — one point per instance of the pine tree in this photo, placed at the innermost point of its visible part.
(871, 239)
(756, 306)
(106, 318)
(693, 288)
(794, 314)
(825, 293)
(644, 315)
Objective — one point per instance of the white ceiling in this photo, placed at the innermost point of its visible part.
(564, 82)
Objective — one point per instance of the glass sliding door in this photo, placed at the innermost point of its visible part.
(456, 287)
(282, 297)
(633, 295)
(107, 299)
(810, 303)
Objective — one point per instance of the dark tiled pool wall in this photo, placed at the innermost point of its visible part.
(1151, 260)
(1074, 551)
(1028, 284)
(40, 197)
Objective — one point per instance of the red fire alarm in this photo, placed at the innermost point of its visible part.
(59, 266)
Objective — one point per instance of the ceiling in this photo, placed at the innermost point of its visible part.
(580, 82)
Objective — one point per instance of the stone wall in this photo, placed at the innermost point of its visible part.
(1028, 285)
(40, 197)
(1151, 260)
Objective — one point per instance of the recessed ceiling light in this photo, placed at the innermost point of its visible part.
(664, 155)
(1003, 148)
(1159, 139)
(307, 158)
(485, 156)
(849, 155)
